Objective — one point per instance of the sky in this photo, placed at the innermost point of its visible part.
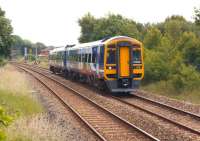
(55, 22)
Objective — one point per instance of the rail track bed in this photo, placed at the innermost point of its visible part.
(181, 123)
(183, 119)
(105, 124)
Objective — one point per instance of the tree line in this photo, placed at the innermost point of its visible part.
(8, 41)
(171, 47)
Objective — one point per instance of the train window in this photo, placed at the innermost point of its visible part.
(79, 57)
(76, 57)
(101, 57)
(94, 54)
(89, 58)
(111, 56)
(136, 57)
(83, 57)
(94, 58)
(86, 57)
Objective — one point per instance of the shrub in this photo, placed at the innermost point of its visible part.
(5, 120)
(188, 78)
(2, 62)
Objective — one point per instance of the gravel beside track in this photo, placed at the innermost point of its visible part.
(151, 124)
(109, 126)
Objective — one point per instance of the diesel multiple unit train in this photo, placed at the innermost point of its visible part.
(114, 63)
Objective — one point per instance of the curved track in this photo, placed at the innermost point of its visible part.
(105, 124)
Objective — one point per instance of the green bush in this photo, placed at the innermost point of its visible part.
(188, 78)
(31, 57)
(156, 68)
(5, 120)
(2, 61)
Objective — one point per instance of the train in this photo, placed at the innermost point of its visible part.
(115, 63)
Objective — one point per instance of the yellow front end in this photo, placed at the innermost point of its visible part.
(123, 64)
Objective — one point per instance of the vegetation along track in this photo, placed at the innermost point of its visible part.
(105, 124)
(183, 119)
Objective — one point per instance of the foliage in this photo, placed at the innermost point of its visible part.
(2, 61)
(197, 16)
(20, 44)
(152, 37)
(5, 120)
(5, 34)
(190, 45)
(112, 25)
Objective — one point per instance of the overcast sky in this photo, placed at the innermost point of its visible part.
(54, 22)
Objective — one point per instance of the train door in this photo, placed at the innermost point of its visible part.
(124, 61)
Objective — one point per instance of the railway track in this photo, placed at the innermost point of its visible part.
(180, 118)
(184, 120)
(104, 123)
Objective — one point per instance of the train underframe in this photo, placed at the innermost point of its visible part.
(125, 85)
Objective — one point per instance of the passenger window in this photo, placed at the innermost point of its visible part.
(89, 58)
(101, 58)
(94, 54)
(83, 57)
(86, 57)
(94, 58)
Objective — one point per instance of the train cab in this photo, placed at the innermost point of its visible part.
(124, 67)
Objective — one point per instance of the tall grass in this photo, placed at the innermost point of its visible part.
(36, 128)
(13, 81)
(15, 94)
(16, 98)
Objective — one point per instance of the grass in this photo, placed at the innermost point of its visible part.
(19, 105)
(16, 96)
(164, 88)
(35, 128)
(43, 62)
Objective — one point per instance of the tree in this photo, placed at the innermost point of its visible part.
(190, 46)
(87, 24)
(112, 25)
(156, 68)
(152, 37)
(197, 16)
(174, 27)
(5, 34)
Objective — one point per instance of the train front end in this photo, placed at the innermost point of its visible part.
(123, 64)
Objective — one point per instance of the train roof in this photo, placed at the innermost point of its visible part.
(94, 43)
(57, 50)
(101, 42)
